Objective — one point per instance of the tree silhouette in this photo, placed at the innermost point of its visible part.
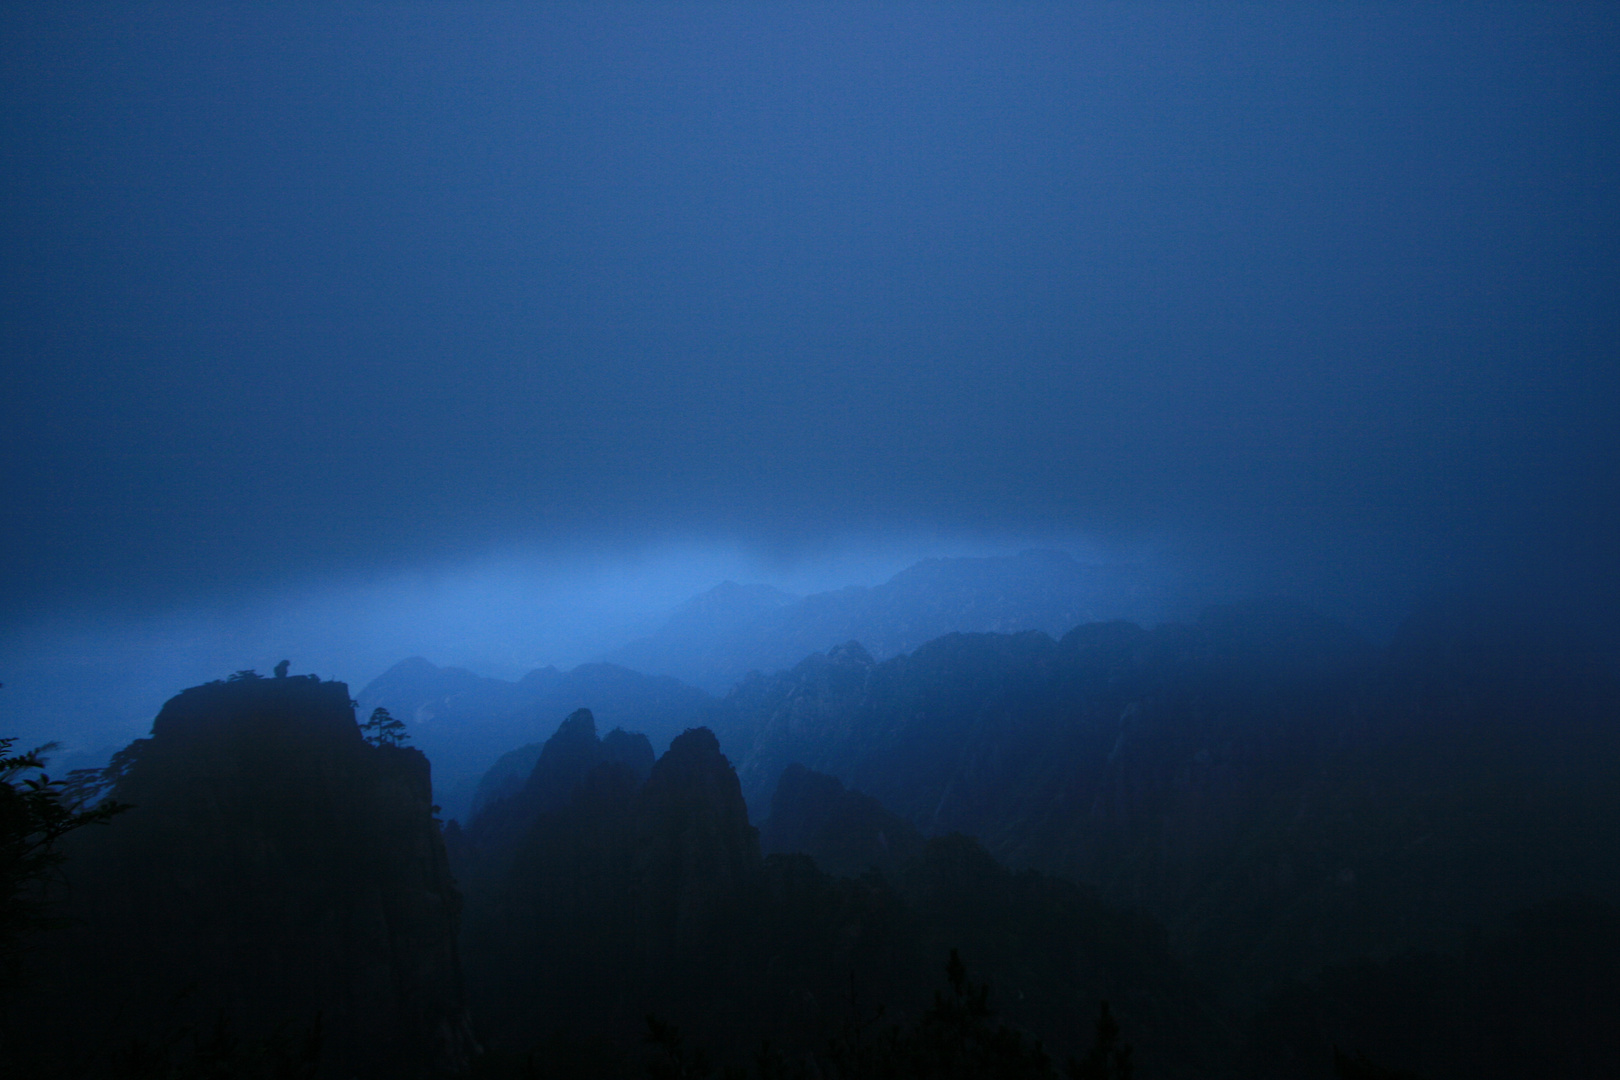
(383, 730)
(35, 813)
(957, 1037)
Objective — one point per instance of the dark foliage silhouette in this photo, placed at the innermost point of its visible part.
(36, 814)
(381, 729)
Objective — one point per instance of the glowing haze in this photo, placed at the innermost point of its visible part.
(491, 332)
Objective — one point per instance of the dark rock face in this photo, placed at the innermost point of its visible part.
(845, 832)
(561, 766)
(505, 778)
(625, 880)
(805, 716)
(695, 849)
(639, 897)
(276, 867)
(515, 770)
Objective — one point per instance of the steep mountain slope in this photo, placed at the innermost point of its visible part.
(717, 638)
(484, 849)
(1279, 792)
(465, 723)
(846, 832)
(519, 775)
(278, 874)
(640, 897)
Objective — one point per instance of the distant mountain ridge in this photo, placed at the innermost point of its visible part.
(465, 723)
(662, 684)
(1280, 792)
(718, 637)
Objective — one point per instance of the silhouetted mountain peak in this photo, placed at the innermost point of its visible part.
(414, 666)
(577, 726)
(565, 760)
(841, 669)
(246, 707)
(540, 677)
(694, 752)
(560, 765)
(470, 726)
(279, 866)
(633, 750)
(422, 680)
(693, 792)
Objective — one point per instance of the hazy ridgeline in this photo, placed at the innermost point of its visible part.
(1272, 847)
(453, 341)
(465, 722)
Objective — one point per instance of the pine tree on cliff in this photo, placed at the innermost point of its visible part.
(383, 730)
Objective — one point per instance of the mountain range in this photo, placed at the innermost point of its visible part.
(1281, 793)
(465, 722)
(718, 637)
(1268, 844)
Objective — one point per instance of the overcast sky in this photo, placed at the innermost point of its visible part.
(296, 294)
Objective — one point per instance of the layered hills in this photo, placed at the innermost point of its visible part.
(718, 637)
(622, 894)
(1282, 794)
(466, 722)
(1268, 843)
(662, 684)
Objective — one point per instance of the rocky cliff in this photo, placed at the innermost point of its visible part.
(651, 896)
(278, 874)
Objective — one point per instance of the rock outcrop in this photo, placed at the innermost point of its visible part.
(277, 874)
(651, 897)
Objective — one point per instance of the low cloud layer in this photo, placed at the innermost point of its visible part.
(1322, 300)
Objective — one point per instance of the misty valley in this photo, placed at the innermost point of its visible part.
(970, 823)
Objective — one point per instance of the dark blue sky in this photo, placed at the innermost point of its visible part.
(294, 291)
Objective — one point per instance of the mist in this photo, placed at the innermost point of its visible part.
(93, 679)
(343, 335)
(573, 523)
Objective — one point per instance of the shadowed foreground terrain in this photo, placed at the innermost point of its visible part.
(279, 881)
(1271, 848)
